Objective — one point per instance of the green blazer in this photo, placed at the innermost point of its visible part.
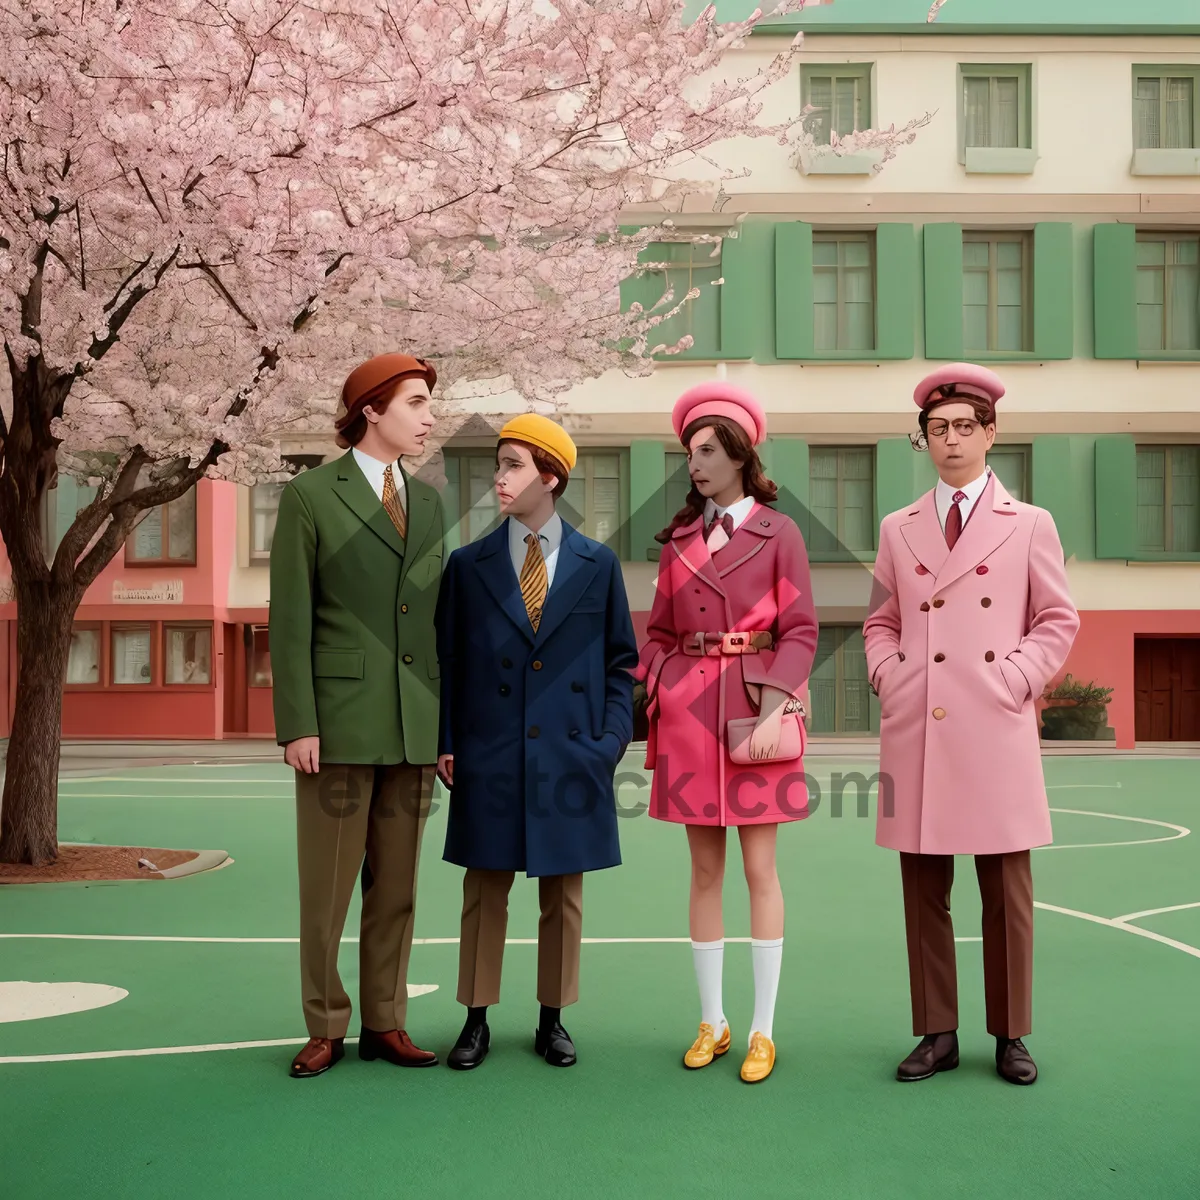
(351, 618)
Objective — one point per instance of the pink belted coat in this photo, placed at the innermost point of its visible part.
(959, 644)
(758, 581)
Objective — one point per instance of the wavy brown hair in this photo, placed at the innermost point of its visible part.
(733, 439)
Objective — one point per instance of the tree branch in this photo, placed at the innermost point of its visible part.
(88, 520)
(215, 280)
(101, 346)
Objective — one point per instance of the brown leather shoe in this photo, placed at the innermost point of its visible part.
(1014, 1062)
(936, 1052)
(317, 1057)
(395, 1047)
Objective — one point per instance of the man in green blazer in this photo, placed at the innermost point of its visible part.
(356, 563)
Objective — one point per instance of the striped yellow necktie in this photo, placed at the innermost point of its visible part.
(391, 502)
(534, 581)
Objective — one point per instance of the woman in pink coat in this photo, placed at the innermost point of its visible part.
(732, 635)
(970, 619)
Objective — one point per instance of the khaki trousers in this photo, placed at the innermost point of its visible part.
(1006, 888)
(342, 814)
(485, 923)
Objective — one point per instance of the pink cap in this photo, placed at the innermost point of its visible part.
(959, 380)
(720, 399)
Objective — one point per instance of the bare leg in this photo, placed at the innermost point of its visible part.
(707, 844)
(766, 896)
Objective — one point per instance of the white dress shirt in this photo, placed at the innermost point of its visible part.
(943, 497)
(373, 469)
(550, 536)
(738, 511)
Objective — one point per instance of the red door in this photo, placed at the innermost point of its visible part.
(1167, 689)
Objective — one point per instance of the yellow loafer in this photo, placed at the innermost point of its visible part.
(706, 1047)
(760, 1058)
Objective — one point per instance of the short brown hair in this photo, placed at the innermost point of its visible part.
(354, 430)
(545, 463)
(984, 412)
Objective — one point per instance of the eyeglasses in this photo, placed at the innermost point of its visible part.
(964, 428)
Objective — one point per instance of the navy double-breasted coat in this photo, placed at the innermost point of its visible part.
(537, 722)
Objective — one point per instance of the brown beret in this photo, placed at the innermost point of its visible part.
(371, 380)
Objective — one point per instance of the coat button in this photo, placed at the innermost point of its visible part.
(404, 608)
(989, 657)
(922, 570)
(576, 686)
(924, 605)
(534, 731)
(573, 733)
(981, 570)
(504, 689)
(408, 658)
(938, 603)
(939, 658)
(900, 655)
(537, 664)
(938, 713)
(986, 602)
(506, 662)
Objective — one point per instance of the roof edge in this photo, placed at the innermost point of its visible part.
(788, 26)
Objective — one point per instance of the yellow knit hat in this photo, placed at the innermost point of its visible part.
(543, 433)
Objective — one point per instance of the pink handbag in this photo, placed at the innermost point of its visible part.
(792, 737)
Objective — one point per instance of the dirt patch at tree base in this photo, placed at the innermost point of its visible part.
(77, 864)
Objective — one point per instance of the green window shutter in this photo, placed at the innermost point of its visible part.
(793, 290)
(736, 296)
(895, 290)
(895, 480)
(823, 682)
(647, 496)
(1114, 288)
(789, 470)
(1116, 496)
(943, 291)
(1053, 289)
(452, 505)
(1055, 487)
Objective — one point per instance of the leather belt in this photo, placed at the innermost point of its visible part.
(704, 644)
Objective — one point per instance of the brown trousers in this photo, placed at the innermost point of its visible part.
(485, 923)
(342, 814)
(1006, 888)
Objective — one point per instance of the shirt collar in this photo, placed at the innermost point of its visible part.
(972, 490)
(550, 533)
(373, 469)
(739, 511)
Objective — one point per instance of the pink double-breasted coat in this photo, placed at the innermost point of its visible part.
(759, 580)
(959, 644)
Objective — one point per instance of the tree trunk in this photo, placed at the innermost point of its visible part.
(29, 812)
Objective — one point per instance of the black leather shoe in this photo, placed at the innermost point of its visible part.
(555, 1046)
(1013, 1061)
(472, 1046)
(936, 1052)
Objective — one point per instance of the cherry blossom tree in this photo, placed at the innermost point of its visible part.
(210, 210)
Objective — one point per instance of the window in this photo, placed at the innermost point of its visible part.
(166, 534)
(1010, 465)
(678, 483)
(260, 657)
(840, 97)
(995, 107)
(843, 291)
(1168, 291)
(1166, 107)
(841, 499)
(838, 689)
(264, 505)
(470, 484)
(187, 654)
(131, 655)
(996, 291)
(691, 265)
(83, 660)
(1168, 498)
(595, 501)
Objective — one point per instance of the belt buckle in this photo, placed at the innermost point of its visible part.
(737, 643)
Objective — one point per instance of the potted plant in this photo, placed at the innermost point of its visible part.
(1076, 712)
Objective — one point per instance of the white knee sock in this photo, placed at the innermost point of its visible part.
(709, 960)
(766, 956)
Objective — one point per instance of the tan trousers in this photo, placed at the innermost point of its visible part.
(342, 813)
(1006, 888)
(485, 923)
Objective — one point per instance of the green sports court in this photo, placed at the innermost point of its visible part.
(182, 1086)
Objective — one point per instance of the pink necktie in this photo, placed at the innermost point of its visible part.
(954, 521)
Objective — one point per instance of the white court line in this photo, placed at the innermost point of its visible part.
(1117, 923)
(1051, 786)
(95, 1054)
(1180, 831)
(291, 941)
(1154, 912)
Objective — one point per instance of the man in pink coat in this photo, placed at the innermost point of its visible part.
(970, 618)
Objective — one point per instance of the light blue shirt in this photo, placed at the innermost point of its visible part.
(550, 539)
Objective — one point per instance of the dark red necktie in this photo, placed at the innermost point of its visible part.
(954, 521)
(726, 523)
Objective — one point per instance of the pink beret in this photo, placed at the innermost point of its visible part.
(720, 399)
(959, 380)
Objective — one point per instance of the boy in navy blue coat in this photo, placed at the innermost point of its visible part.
(535, 645)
